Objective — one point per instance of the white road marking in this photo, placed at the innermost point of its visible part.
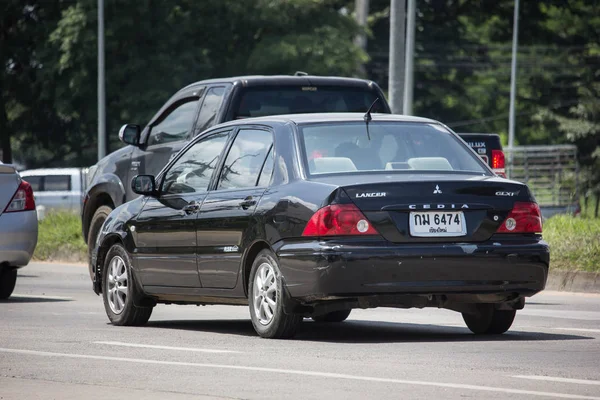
(304, 373)
(32, 296)
(578, 330)
(151, 346)
(557, 379)
(562, 314)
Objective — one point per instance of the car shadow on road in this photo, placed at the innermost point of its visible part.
(35, 299)
(354, 331)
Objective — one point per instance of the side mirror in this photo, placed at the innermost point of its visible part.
(144, 185)
(130, 134)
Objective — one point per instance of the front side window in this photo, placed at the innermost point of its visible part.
(193, 170)
(245, 159)
(176, 125)
(345, 147)
(210, 109)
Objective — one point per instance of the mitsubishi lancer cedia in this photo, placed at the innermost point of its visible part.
(312, 215)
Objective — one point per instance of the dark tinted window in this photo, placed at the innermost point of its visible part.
(344, 147)
(35, 182)
(267, 171)
(193, 170)
(210, 109)
(54, 183)
(245, 159)
(176, 125)
(257, 102)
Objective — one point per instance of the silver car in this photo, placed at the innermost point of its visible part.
(18, 227)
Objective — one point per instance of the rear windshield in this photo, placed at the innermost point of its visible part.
(335, 148)
(259, 102)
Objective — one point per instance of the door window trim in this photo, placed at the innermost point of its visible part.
(213, 187)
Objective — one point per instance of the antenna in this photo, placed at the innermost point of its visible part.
(367, 117)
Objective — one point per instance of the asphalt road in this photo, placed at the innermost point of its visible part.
(56, 343)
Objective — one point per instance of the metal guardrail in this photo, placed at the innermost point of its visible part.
(551, 172)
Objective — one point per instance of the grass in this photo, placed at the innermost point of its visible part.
(574, 243)
(60, 238)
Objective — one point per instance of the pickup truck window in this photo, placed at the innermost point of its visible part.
(57, 183)
(258, 102)
(176, 125)
(210, 108)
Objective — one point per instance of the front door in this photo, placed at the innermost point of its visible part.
(226, 212)
(166, 227)
(167, 134)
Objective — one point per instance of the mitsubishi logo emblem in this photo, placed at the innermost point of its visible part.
(437, 190)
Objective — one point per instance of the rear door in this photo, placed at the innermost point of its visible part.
(226, 212)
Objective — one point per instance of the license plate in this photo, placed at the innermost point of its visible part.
(437, 223)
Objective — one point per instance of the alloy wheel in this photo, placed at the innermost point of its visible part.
(265, 293)
(118, 285)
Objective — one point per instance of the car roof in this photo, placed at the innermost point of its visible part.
(50, 171)
(300, 119)
(283, 80)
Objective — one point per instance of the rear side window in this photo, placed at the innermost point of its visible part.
(35, 182)
(345, 147)
(245, 159)
(258, 102)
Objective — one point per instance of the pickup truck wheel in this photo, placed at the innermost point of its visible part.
(8, 279)
(265, 298)
(97, 220)
(119, 290)
(488, 320)
(334, 316)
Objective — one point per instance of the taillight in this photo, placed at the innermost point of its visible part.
(525, 217)
(498, 163)
(338, 219)
(22, 199)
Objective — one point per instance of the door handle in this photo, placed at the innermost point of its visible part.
(191, 208)
(248, 202)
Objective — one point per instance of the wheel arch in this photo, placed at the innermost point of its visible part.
(103, 249)
(248, 259)
(107, 193)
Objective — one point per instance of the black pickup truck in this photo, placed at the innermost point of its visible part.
(201, 105)
(206, 103)
(489, 148)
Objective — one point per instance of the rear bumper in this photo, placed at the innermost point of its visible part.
(18, 237)
(318, 270)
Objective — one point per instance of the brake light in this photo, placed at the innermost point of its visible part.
(337, 220)
(498, 163)
(22, 200)
(525, 217)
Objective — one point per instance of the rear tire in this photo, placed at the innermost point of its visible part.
(98, 219)
(119, 290)
(8, 280)
(334, 316)
(265, 299)
(488, 320)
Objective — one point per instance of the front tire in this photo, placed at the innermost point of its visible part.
(98, 219)
(8, 280)
(265, 298)
(488, 320)
(119, 290)
(334, 316)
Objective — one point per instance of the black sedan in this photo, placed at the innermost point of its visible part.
(310, 216)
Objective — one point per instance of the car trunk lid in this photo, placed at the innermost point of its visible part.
(9, 182)
(449, 210)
